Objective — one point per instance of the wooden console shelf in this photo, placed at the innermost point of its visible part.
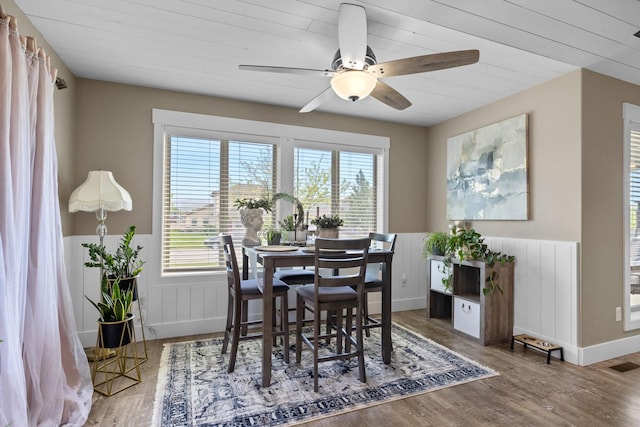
(488, 319)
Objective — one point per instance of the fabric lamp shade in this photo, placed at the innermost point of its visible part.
(99, 191)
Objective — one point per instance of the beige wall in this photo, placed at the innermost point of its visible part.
(115, 132)
(64, 105)
(553, 110)
(575, 158)
(575, 182)
(602, 204)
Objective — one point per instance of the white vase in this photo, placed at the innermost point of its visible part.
(295, 236)
(328, 233)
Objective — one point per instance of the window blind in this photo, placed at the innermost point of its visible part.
(339, 182)
(203, 177)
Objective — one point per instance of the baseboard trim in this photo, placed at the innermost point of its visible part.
(608, 350)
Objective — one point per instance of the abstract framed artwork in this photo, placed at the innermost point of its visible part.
(487, 176)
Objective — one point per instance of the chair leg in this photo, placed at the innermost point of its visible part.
(360, 344)
(366, 314)
(229, 325)
(274, 318)
(316, 339)
(238, 314)
(348, 330)
(299, 316)
(284, 324)
(245, 317)
(338, 328)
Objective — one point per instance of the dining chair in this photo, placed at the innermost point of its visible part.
(373, 282)
(240, 292)
(339, 293)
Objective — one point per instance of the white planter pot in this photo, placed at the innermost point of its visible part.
(295, 236)
(328, 233)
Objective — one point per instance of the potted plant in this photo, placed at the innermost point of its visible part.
(328, 225)
(251, 211)
(122, 265)
(116, 320)
(299, 214)
(250, 203)
(469, 245)
(436, 243)
(290, 231)
(272, 236)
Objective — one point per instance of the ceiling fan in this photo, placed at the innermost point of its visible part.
(355, 73)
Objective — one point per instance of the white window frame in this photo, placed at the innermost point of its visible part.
(631, 115)
(286, 136)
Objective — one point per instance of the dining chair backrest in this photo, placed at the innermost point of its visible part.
(387, 241)
(338, 255)
(231, 263)
(382, 241)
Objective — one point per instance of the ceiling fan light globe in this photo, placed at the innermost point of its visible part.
(353, 85)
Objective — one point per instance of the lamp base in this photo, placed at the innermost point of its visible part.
(97, 353)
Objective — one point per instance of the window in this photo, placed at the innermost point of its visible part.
(203, 164)
(202, 179)
(632, 216)
(339, 182)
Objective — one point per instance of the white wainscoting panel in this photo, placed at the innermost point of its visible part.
(546, 277)
(545, 290)
(198, 304)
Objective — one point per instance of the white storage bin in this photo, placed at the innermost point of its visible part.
(466, 316)
(438, 272)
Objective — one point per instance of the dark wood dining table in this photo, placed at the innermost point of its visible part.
(300, 258)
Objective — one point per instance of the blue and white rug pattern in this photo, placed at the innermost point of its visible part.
(194, 388)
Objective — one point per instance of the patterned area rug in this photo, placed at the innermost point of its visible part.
(194, 388)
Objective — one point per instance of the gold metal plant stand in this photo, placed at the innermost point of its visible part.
(144, 340)
(111, 375)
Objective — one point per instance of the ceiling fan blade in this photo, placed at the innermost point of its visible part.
(318, 100)
(424, 63)
(288, 70)
(352, 35)
(385, 93)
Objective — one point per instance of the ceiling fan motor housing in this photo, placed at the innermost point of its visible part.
(369, 59)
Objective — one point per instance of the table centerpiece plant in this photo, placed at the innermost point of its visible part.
(328, 225)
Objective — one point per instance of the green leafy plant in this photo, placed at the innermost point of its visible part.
(288, 223)
(299, 216)
(115, 305)
(272, 235)
(251, 203)
(328, 221)
(436, 243)
(121, 264)
(469, 245)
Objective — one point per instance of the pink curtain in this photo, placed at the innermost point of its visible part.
(44, 374)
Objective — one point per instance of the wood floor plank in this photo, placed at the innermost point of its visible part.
(527, 391)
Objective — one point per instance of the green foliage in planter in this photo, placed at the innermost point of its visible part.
(268, 202)
(299, 216)
(469, 245)
(115, 305)
(271, 235)
(122, 263)
(251, 203)
(436, 243)
(328, 221)
(288, 223)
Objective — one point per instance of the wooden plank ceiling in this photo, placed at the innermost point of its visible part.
(196, 46)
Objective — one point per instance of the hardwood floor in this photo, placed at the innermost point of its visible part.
(527, 391)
